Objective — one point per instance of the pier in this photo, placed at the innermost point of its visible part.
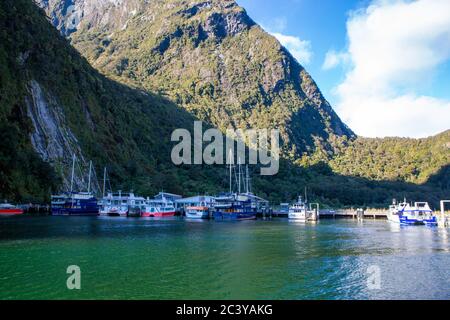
(353, 214)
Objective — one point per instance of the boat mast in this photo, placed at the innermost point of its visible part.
(239, 175)
(73, 172)
(89, 181)
(247, 179)
(230, 171)
(104, 181)
(306, 196)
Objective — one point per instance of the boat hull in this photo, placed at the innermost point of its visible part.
(220, 215)
(10, 212)
(404, 220)
(74, 212)
(297, 216)
(197, 215)
(158, 214)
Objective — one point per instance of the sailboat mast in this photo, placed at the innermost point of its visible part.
(104, 181)
(247, 179)
(73, 172)
(230, 172)
(89, 181)
(306, 196)
(239, 175)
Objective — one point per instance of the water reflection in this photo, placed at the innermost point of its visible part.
(203, 259)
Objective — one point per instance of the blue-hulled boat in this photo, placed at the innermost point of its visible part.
(237, 205)
(75, 203)
(234, 206)
(406, 214)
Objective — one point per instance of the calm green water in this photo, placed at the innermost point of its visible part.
(179, 259)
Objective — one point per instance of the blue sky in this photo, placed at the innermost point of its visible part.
(376, 61)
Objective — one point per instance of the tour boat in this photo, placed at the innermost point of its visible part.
(158, 208)
(197, 212)
(237, 205)
(9, 209)
(234, 206)
(75, 203)
(298, 211)
(407, 214)
(121, 204)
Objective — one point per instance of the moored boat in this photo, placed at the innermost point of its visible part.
(407, 214)
(74, 203)
(234, 206)
(197, 212)
(121, 204)
(9, 209)
(301, 211)
(158, 208)
(298, 210)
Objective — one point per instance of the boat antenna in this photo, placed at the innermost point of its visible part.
(73, 172)
(89, 181)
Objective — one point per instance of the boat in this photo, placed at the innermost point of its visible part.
(301, 211)
(298, 211)
(121, 204)
(236, 205)
(9, 209)
(74, 203)
(196, 207)
(197, 212)
(408, 214)
(162, 207)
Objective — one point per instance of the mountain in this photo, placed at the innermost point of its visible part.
(64, 92)
(54, 104)
(209, 57)
(395, 159)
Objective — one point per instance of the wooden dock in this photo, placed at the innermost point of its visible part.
(352, 214)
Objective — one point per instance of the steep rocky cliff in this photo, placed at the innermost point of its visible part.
(209, 57)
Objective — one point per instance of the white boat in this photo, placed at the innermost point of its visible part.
(418, 214)
(121, 204)
(158, 208)
(298, 211)
(197, 207)
(301, 212)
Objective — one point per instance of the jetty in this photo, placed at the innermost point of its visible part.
(353, 213)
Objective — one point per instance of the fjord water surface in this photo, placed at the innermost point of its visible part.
(137, 258)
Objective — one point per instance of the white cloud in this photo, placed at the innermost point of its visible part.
(333, 59)
(394, 48)
(300, 49)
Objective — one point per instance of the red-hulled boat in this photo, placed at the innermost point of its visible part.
(9, 209)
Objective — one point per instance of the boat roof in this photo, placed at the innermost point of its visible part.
(195, 199)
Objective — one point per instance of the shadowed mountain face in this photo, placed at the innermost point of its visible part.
(209, 57)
